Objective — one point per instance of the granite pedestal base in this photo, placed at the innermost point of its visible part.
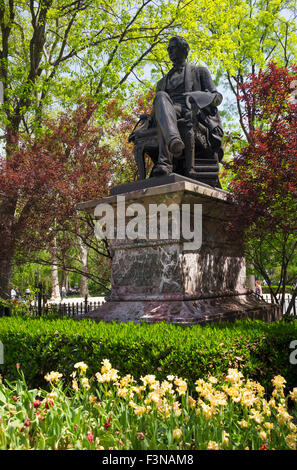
(159, 279)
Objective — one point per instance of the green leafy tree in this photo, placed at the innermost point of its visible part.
(265, 175)
(238, 37)
(54, 51)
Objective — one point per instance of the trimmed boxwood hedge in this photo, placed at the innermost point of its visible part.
(260, 350)
(266, 290)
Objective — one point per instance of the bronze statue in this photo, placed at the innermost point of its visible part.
(185, 121)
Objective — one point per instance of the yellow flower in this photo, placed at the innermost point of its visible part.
(153, 396)
(170, 377)
(293, 394)
(81, 366)
(291, 440)
(266, 408)
(85, 383)
(234, 393)
(176, 408)
(256, 416)
(177, 433)
(208, 411)
(283, 417)
(92, 398)
(53, 377)
(148, 379)
(269, 425)
(213, 380)
(181, 386)
(263, 435)
(191, 402)
(155, 385)
(243, 424)
(74, 385)
(126, 380)
(278, 381)
(106, 366)
(255, 387)
(272, 403)
(200, 382)
(166, 387)
(292, 427)
(217, 399)
(122, 392)
(140, 410)
(138, 389)
(203, 387)
(234, 376)
(109, 376)
(248, 398)
(278, 392)
(164, 409)
(212, 445)
(52, 395)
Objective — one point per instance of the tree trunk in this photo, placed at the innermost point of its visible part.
(251, 279)
(5, 275)
(7, 248)
(252, 282)
(84, 281)
(56, 296)
(67, 283)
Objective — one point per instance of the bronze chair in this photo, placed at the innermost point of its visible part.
(199, 153)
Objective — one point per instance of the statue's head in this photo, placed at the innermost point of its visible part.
(178, 49)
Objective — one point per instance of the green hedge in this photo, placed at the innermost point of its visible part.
(260, 350)
(266, 290)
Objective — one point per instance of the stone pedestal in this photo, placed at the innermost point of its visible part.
(162, 280)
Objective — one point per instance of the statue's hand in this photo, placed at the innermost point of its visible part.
(189, 100)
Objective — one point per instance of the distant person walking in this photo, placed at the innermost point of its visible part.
(258, 288)
(63, 292)
(13, 293)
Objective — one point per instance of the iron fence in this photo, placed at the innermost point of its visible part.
(288, 297)
(71, 308)
(68, 309)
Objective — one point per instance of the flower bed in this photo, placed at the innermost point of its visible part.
(107, 411)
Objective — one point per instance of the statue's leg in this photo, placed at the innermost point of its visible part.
(165, 157)
(169, 138)
(190, 152)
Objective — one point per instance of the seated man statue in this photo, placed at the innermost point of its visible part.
(186, 93)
